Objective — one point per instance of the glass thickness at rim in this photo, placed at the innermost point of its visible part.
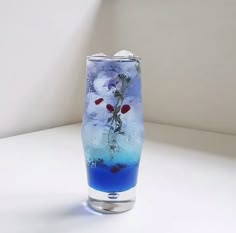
(113, 58)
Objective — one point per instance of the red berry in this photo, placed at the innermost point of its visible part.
(125, 108)
(110, 108)
(98, 101)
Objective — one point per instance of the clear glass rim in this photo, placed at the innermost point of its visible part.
(113, 58)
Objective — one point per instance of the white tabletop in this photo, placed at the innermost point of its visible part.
(187, 184)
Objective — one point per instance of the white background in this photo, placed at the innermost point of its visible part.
(188, 49)
(189, 59)
(43, 45)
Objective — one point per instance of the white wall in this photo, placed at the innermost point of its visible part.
(189, 59)
(43, 45)
(188, 49)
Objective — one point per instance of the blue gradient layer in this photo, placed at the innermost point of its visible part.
(112, 178)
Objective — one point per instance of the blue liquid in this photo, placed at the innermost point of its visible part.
(112, 178)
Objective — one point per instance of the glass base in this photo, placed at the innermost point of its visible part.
(111, 203)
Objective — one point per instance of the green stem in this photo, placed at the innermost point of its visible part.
(114, 131)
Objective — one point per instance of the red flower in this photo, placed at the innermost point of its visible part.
(110, 108)
(98, 101)
(125, 108)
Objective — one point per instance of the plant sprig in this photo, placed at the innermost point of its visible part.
(115, 120)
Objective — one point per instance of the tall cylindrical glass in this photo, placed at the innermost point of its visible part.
(112, 131)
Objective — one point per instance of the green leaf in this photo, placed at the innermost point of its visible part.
(117, 129)
(117, 93)
(128, 79)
